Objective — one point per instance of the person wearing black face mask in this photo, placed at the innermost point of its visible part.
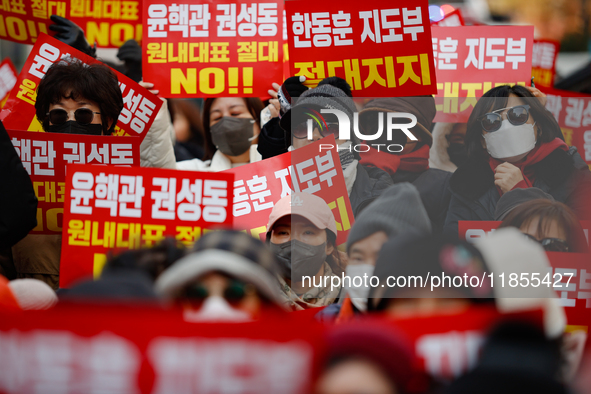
(232, 127)
(302, 235)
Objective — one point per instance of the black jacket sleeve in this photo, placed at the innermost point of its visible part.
(18, 203)
(273, 140)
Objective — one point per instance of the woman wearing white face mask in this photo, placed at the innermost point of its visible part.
(514, 142)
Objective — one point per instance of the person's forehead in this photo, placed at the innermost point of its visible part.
(228, 103)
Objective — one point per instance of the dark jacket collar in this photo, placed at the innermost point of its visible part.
(475, 177)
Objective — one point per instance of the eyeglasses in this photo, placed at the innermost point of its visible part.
(515, 115)
(301, 130)
(84, 116)
(551, 244)
(234, 293)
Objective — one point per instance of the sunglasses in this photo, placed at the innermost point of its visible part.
(83, 116)
(551, 244)
(301, 130)
(515, 115)
(234, 293)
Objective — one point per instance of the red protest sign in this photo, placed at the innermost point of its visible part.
(470, 60)
(573, 113)
(108, 23)
(128, 208)
(452, 19)
(45, 156)
(571, 274)
(315, 170)
(543, 62)
(8, 77)
(138, 114)
(448, 344)
(118, 349)
(382, 49)
(208, 49)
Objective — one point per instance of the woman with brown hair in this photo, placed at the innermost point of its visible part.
(551, 223)
(232, 126)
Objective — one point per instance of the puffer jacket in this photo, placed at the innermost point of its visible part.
(370, 182)
(563, 175)
(157, 149)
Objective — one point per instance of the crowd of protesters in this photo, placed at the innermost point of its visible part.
(511, 164)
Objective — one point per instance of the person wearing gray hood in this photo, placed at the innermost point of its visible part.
(398, 210)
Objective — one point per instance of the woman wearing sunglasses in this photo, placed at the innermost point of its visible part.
(229, 276)
(514, 142)
(552, 224)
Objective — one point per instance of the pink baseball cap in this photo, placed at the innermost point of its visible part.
(312, 207)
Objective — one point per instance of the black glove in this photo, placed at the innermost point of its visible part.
(71, 34)
(292, 87)
(131, 53)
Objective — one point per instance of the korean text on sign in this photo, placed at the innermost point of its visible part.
(140, 106)
(110, 207)
(543, 62)
(573, 114)
(108, 23)
(381, 49)
(46, 155)
(258, 186)
(213, 48)
(470, 60)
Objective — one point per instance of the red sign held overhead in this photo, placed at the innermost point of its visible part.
(210, 49)
(128, 208)
(107, 23)
(471, 60)
(382, 48)
(140, 106)
(45, 156)
(543, 62)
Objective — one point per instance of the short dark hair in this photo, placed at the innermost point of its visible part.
(497, 98)
(72, 79)
(254, 106)
(547, 212)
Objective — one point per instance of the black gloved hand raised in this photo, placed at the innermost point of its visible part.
(131, 53)
(292, 87)
(71, 34)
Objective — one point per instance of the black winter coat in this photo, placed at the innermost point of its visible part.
(564, 175)
(18, 203)
(369, 184)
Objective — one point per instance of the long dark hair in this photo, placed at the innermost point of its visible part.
(548, 212)
(497, 98)
(334, 259)
(254, 105)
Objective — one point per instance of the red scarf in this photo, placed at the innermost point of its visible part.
(415, 161)
(536, 155)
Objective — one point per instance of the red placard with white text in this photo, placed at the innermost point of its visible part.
(452, 19)
(573, 113)
(448, 344)
(470, 60)
(45, 156)
(381, 48)
(258, 186)
(127, 208)
(148, 350)
(213, 49)
(8, 77)
(108, 23)
(543, 62)
(140, 106)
